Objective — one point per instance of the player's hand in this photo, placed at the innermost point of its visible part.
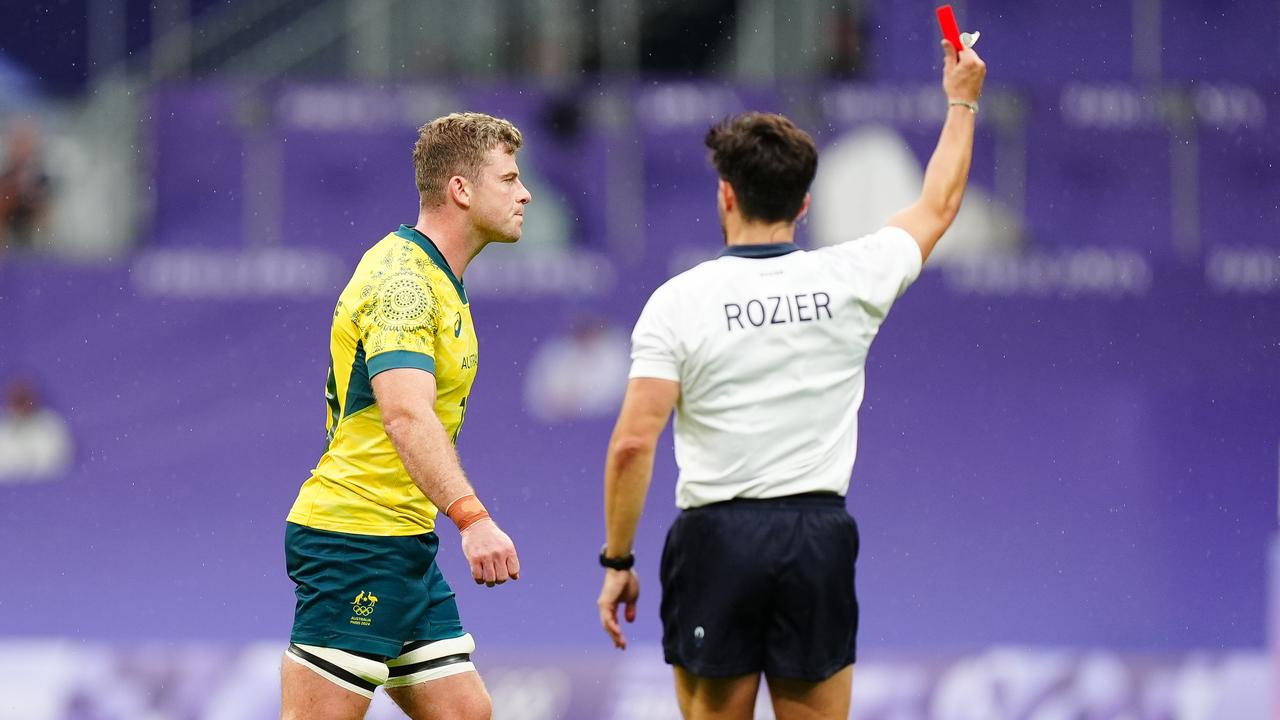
(962, 77)
(490, 553)
(620, 586)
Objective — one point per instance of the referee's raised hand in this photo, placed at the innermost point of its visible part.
(620, 587)
(962, 76)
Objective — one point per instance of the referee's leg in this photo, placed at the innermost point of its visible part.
(823, 700)
(716, 698)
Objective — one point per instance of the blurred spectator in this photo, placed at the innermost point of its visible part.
(35, 443)
(17, 86)
(847, 42)
(579, 375)
(570, 166)
(24, 186)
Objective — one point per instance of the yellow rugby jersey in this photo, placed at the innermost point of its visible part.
(402, 308)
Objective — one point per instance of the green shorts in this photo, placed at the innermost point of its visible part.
(366, 593)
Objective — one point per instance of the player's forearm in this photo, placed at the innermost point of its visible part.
(947, 174)
(628, 471)
(429, 457)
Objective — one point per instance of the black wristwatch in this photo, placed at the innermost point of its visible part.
(616, 563)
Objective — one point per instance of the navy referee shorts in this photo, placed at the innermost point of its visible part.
(762, 585)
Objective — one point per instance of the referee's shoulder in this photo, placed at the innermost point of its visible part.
(884, 235)
(690, 277)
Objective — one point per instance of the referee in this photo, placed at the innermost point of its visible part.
(760, 353)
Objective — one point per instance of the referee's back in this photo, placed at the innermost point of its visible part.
(769, 345)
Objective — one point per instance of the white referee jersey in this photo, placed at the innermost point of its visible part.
(769, 345)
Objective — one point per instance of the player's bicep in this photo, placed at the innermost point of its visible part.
(923, 224)
(404, 392)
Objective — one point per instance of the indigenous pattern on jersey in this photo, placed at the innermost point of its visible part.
(402, 309)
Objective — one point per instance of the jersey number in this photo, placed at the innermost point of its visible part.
(331, 398)
(461, 419)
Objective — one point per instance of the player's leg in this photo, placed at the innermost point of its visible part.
(812, 641)
(433, 678)
(716, 698)
(314, 688)
(802, 700)
(355, 606)
(456, 697)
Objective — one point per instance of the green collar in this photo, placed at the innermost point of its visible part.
(428, 247)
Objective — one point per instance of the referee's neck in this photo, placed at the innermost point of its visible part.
(760, 233)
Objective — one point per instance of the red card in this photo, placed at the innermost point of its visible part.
(950, 30)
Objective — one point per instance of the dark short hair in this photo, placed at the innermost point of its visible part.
(769, 162)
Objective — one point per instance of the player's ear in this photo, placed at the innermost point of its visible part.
(459, 191)
(804, 208)
(728, 200)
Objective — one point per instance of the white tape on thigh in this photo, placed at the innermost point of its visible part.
(360, 675)
(433, 661)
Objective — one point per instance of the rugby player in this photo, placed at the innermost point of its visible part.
(372, 605)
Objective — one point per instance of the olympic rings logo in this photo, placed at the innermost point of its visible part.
(364, 603)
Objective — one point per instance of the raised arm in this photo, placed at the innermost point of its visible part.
(406, 398)
(948, 171)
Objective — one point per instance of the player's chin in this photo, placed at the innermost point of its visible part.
(506, 235)
(513, 234)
